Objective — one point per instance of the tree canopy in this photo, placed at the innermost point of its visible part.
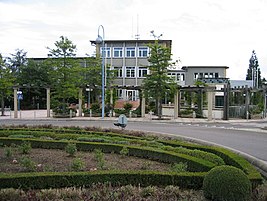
(158, 82)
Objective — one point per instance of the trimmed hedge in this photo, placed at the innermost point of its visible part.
(46, 180)
(229, 158)
(227, 183)
(194, 164)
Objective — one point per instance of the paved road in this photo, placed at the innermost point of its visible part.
(247, 137)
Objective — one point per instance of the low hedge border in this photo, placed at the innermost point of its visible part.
(45, 180)
(194, 164)
(229, 158)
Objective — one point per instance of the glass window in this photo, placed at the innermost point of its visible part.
(117, 52)
(118, 71)
(130, 71)
(142, 72)
(105, 51)
(130, 51)
(119, 93)
(143, 51)
(216, 75)
(195, 76)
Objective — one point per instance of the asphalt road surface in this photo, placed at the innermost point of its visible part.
(245, 137)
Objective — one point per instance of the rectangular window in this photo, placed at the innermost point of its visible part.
(131, 95)
(118, 71)
(143, 51)
(219, 101)
(105, 51)
(195, 76)
(119, 93)
(117, 52)
(130, 51)
(216, 75)
(130, 71)
(142, 72)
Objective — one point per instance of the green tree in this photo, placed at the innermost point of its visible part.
(254, 72)
(35, 78)
(66, 73)
(6, 83)
(158, 82)
(16, 61)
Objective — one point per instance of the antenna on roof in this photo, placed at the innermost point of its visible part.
(155, 36)
(137, 35)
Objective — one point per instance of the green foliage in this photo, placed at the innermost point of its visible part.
(95, 107)
(127, 107)
(71, 149)
(25, 148)
(145, 165)
(99, 158)
(179, 167)
(28, 164)
(8, 151)
(6, 83)
(124, 151)
(197, 153)
(227, 183)
(44, 180)
(77, 164)
(158, 82)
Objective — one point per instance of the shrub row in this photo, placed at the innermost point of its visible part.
(65, 131)
(229, 158)
(44, 180)
(194, 164)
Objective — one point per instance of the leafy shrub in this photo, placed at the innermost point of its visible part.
(71, 149)
(25, 148)
(8, 151)
(124, 151)
(99, 158)
(77, 164)
(21, 136)
(227, 183)
(127, 107)
(28, 164)
(179, 167)
(146, 165)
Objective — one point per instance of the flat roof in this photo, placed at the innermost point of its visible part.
(184, 67)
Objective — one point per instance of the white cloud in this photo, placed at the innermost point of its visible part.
(204, 32)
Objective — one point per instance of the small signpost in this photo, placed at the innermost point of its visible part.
(122, 121)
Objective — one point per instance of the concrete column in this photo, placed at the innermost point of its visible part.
(210, 104)
(176, 102)
(48, 102)
(15, 103)
(143, 108)
(80, 101)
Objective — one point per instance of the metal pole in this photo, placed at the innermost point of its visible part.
(98, 40)
(103, 82)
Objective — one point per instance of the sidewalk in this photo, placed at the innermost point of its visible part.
(42, 115)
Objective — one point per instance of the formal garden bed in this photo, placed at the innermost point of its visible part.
(45, 157)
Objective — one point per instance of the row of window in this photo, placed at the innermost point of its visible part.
(177, 76)
(206, 75)
(124, 52)
(131, 71)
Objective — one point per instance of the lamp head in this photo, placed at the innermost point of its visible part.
(99, 40)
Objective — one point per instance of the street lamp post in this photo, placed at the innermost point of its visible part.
(100, 40)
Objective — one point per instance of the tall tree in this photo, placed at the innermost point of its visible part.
(66, 74)
(158, 82)
(17, 61)
(253, 72)
(35, 78)
(6, 83)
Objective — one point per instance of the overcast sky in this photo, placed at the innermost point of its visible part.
(203, 32)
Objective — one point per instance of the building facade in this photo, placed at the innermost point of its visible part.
(129, 60)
